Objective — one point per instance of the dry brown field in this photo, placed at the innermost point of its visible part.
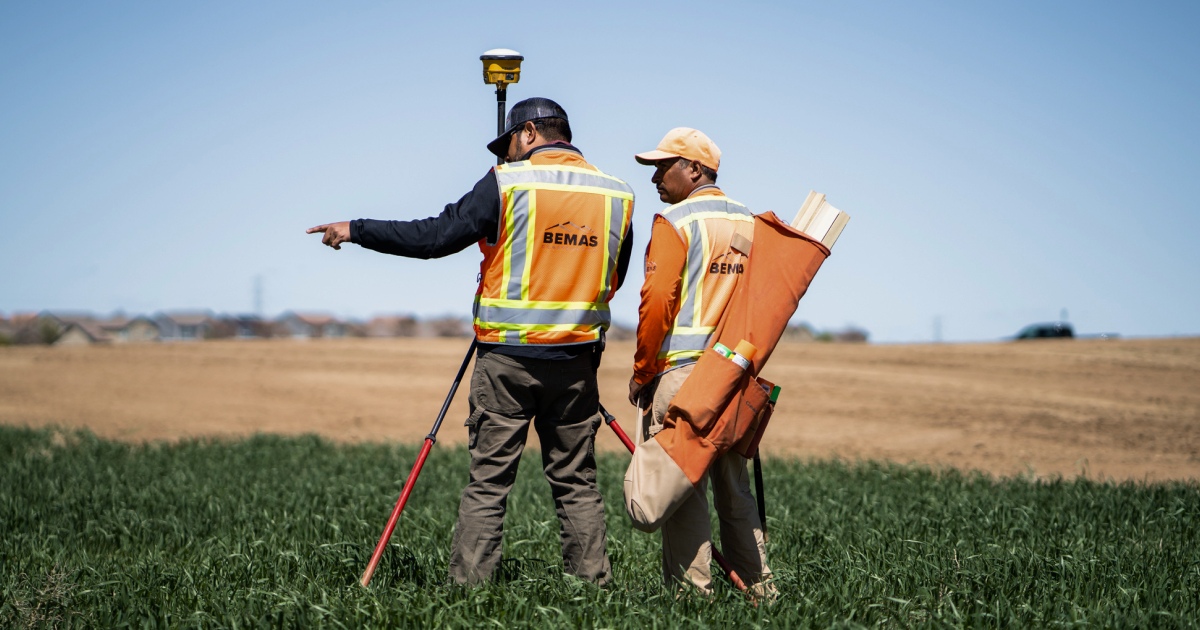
(1127, 409)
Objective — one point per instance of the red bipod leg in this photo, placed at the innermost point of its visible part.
(391, 524)
(416, 470)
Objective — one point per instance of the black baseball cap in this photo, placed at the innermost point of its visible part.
(521, 113)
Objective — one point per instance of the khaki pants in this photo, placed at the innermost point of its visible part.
(687, 534)
(507, 394)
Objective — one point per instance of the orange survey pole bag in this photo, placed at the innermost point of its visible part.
(723, 406)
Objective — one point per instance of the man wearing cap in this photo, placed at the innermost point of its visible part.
(556, 236)
(697, 250)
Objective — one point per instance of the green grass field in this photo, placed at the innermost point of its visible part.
(274, 532)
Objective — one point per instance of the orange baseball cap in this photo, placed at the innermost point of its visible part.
(686, 143)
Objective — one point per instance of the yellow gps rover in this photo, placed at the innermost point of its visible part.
(501, 66)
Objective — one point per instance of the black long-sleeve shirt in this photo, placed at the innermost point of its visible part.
(474, 217)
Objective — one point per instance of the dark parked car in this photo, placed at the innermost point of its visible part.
(1046, 331)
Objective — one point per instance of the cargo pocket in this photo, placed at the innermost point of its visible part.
(472, 425)
(501, 384)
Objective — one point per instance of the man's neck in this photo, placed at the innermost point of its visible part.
(548, 145)
(700, 186)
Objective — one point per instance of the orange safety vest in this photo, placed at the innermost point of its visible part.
(707, 225)
(548, 278)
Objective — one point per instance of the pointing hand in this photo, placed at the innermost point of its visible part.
(335, 233)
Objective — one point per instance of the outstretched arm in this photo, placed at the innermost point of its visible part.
(474, 217)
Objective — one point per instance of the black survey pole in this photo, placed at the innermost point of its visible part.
(758, 491)
(462, 370)
(501, 97)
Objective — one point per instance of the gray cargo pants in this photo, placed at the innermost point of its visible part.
(507, 393)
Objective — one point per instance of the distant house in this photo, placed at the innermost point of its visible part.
(7, 331)
(185, 326)
(241, 327)
(121, 329)
(82, 330)
(802, 333)
(66, 318)
(77, 328)
(53, 326)
(309, 326)
(34, 328)
(21, 320)
(446, 327)
(392, 326)
(851, 335)
(82, 334)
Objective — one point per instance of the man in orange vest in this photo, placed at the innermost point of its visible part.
(556, 236)
(693, 261)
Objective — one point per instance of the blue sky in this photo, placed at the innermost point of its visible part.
(1001, 161)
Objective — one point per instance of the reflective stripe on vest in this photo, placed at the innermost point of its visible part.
(572, 305)
(691, 332)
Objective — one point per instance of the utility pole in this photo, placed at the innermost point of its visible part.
(258, 295)
(501, 67)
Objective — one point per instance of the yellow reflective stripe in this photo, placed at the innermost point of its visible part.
(528, 166)
(545, 306)
(499, 337)
(607, 237)
(699, 216)
(706, 198)
(523, 337)
(698, 299)
(692, 330)
(626, 217)
(674, 357)
(506, 253)
(500, 326)
(595, 190)
(529, 236)
(684, 286)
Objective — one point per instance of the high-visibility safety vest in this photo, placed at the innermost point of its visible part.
(548, 278)
(707, 225)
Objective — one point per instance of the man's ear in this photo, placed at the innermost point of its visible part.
(529, 132)
(694, 172)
